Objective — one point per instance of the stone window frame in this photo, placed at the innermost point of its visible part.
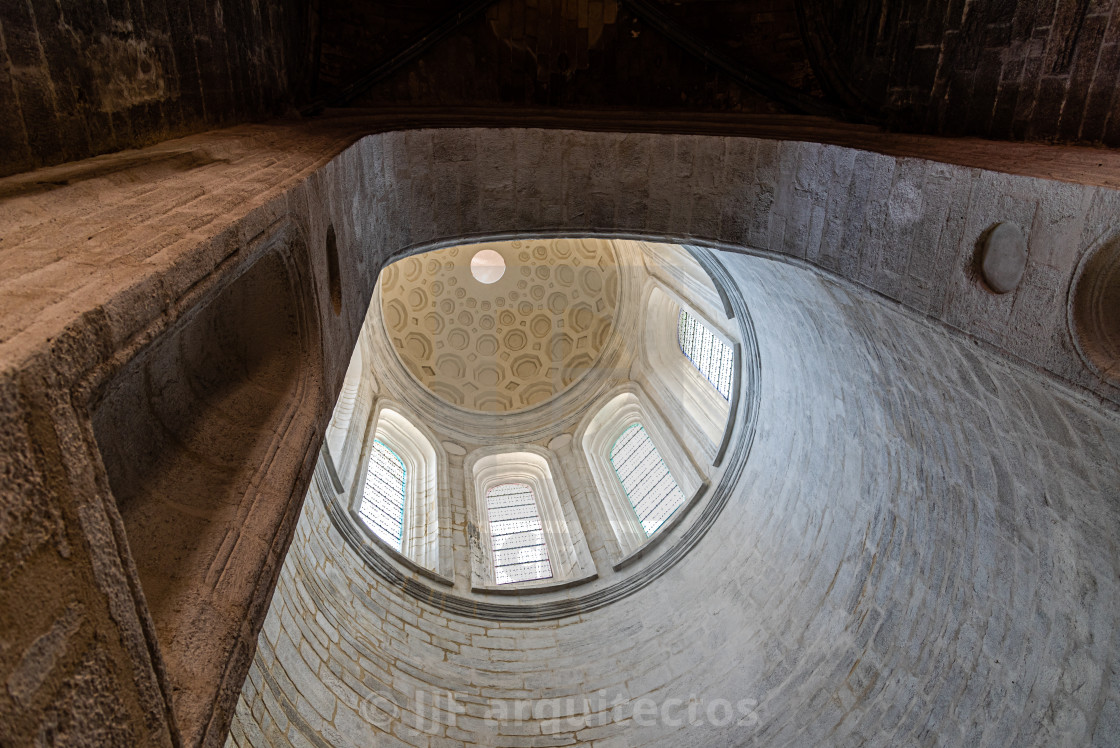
(614, 413)
(426, 534)
(344, 434)
(679, 387)
(540, 469)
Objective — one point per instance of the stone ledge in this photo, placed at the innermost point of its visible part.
(533, 589)
(396, 555)
(664, 530)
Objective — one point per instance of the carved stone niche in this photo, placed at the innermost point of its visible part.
(1095, 310)
(205, 435)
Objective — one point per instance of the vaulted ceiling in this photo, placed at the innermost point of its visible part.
(1029, 70)
(508, 344)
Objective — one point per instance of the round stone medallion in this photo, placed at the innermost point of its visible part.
(1003, 258)
(1095, 310)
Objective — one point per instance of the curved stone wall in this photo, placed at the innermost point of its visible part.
(921, 550)
(106, 262)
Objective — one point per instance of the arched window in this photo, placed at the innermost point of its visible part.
(644, 475)
(707, 352)
(526, 526)
(516, 534)
(397, 496)
(649, 485)
(382, 506)
(688, 368)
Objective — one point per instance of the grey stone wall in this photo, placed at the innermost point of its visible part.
(1036, 70)
(903, 227)
(102, 257)
(922, 551)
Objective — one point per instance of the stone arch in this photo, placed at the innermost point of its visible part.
(605, 421)
(539, 469)
(204, 436)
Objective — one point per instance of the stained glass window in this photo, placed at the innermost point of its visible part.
(516, 534)
(383, 498)
(649, 485)
(707, 352)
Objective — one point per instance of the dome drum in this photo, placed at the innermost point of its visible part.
(528, 380)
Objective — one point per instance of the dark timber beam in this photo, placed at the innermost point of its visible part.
(345, 95)
(789, 97)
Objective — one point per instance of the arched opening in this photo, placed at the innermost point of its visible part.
(618, 467)
(570, 321)
(698, 407)
(556, 534)
(400, 499)
(203, 435)
(711, 355)
(383, 497)
(650, 488)
(518, 551)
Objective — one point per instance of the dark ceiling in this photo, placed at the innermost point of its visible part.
(1041, 70)
(81, 78)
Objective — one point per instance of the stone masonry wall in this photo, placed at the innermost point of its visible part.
(1036, 69)
(921, 551)
(906, 228)
(100, 256)
(82, 78)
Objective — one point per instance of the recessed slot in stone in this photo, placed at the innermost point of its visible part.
(192, 436)
(333, 273)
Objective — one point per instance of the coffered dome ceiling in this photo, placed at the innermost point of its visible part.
(505, 344)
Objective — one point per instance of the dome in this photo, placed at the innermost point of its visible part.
(595, 384)
(487, 339)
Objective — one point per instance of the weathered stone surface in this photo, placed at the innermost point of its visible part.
(1025, 70)
(84, 79)
(42, 656)
(961, 560)
(1003, 257)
